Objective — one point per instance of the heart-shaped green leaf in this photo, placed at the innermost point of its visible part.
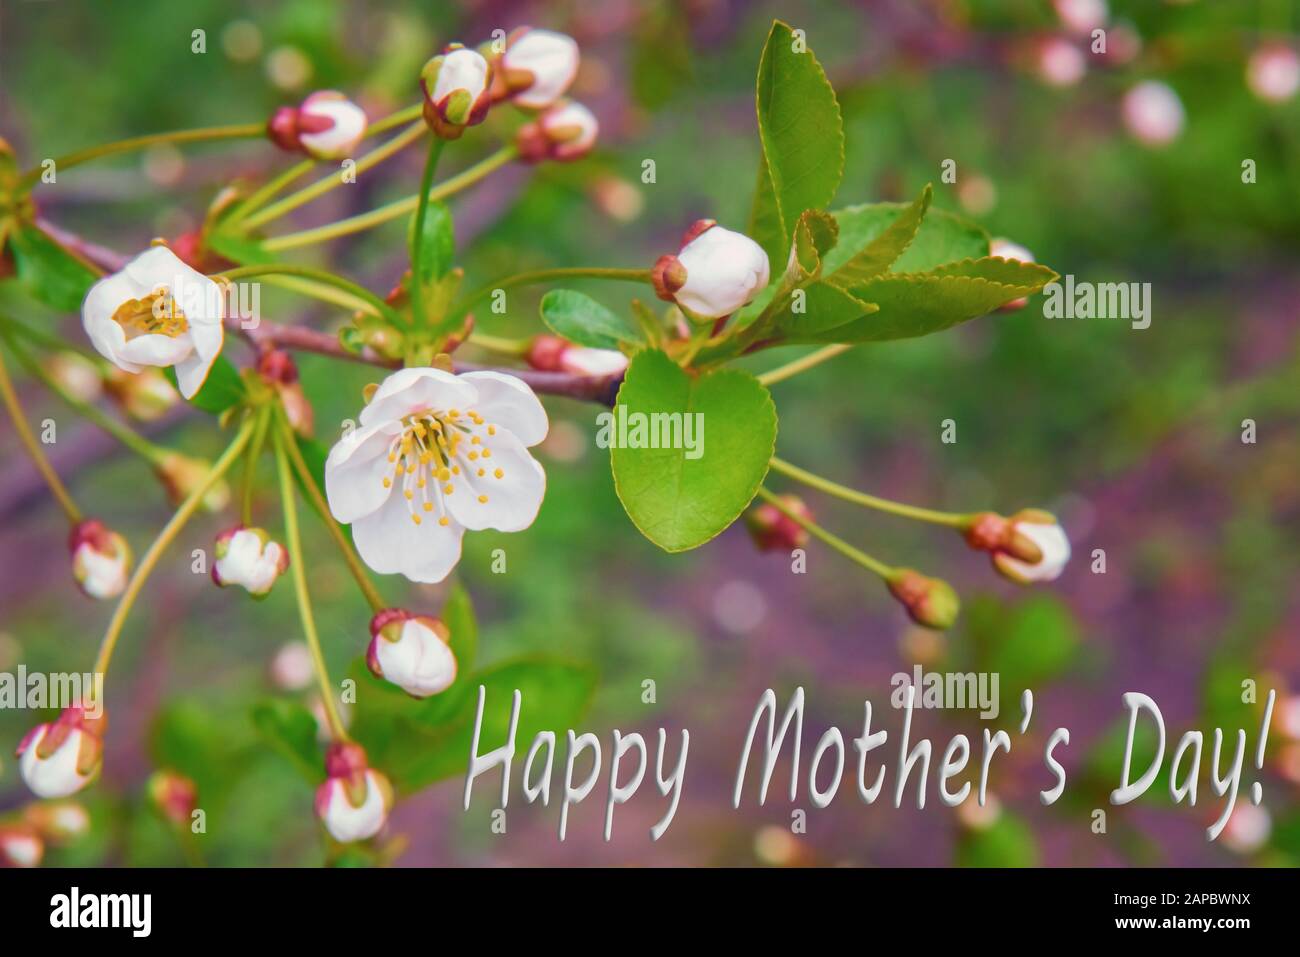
(802, 137)
(715, 434)
(583, 320)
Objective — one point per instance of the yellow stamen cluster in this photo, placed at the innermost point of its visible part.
(155, 314)
(430, 447)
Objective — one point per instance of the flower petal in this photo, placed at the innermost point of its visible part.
(391, 544)
(355, 471)
(512, 501)
(507, 401)
(414, 390)
(156, 349)
(192, 372)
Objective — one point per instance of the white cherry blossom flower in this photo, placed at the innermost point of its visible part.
(248, 557)
(157, 311)
(62, 757)
(437, 454)
(354, 801)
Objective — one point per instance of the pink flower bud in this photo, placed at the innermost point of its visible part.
(58, 821)
(101, 559)
(1273, 72)
(536, 68)
(62, 757)
(20, 846)
(412, 652)
(326, 126)
(1060, 62)
(278, 368)
(1153, 113)
(929, 601)
(354, 801)
(248, 557)
(1082, 16)
(456, 90)
(181, 475)
(78, 376)
(773, 530)
(174, 795)
(1028, 547)
(715, 273)
(292, 668)
(146, 395)
(553, 354)
(566, 131)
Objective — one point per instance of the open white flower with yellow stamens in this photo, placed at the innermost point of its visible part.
(436, 454)
(157, 311)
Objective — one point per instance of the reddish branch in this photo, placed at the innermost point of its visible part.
(302, 339)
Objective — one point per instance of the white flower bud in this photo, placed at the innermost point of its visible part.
(456, 93)
(292, 668)
(248, 557)
(101, 559)
(60, 758)
(716, 272)
(566, 131)
(1047, 537)
(354, 801)
(538, 67)
(330, 125)
(412, 652)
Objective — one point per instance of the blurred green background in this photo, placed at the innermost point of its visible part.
(1133, 437)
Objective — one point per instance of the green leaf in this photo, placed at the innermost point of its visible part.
(458, 616)
(222, 388)
(438, 242)
(1007, 842)
(51, 274)
(1036, 642)
(917, 304)
(885, 248)
(680, 498)
(419, 742)
(940, 238)
(290, 729)
(802, 137)
(239, 249)
(583, 320)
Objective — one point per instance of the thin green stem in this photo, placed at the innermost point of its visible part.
(393, 210)
(250, 463)
(124, 434)
(873, 565)
(15, 409)
(791, 369)
(330, 294)
(306, 272)
(298, 572)
(499, 344)
(436, 143)
(327, 183)
(317, 498)
(165, 538)
(269, 191)
(547, 275)
(949, 519)
(240, 131)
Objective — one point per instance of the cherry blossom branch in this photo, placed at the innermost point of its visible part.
(393, 210)
(302, 339)
(68, 160)
(949, 519)
(165, 538)
(298, 573)
(308, 482)
(15, 409)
